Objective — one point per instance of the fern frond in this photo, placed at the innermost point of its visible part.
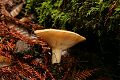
(83, 75)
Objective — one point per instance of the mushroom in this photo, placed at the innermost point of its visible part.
(59, 40)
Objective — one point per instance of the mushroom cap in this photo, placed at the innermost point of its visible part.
(60, 39)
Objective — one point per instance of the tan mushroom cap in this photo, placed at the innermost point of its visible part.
(59, 39)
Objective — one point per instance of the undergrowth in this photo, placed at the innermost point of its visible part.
(97, 20)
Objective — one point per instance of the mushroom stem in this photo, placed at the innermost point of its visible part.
(56, 55)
